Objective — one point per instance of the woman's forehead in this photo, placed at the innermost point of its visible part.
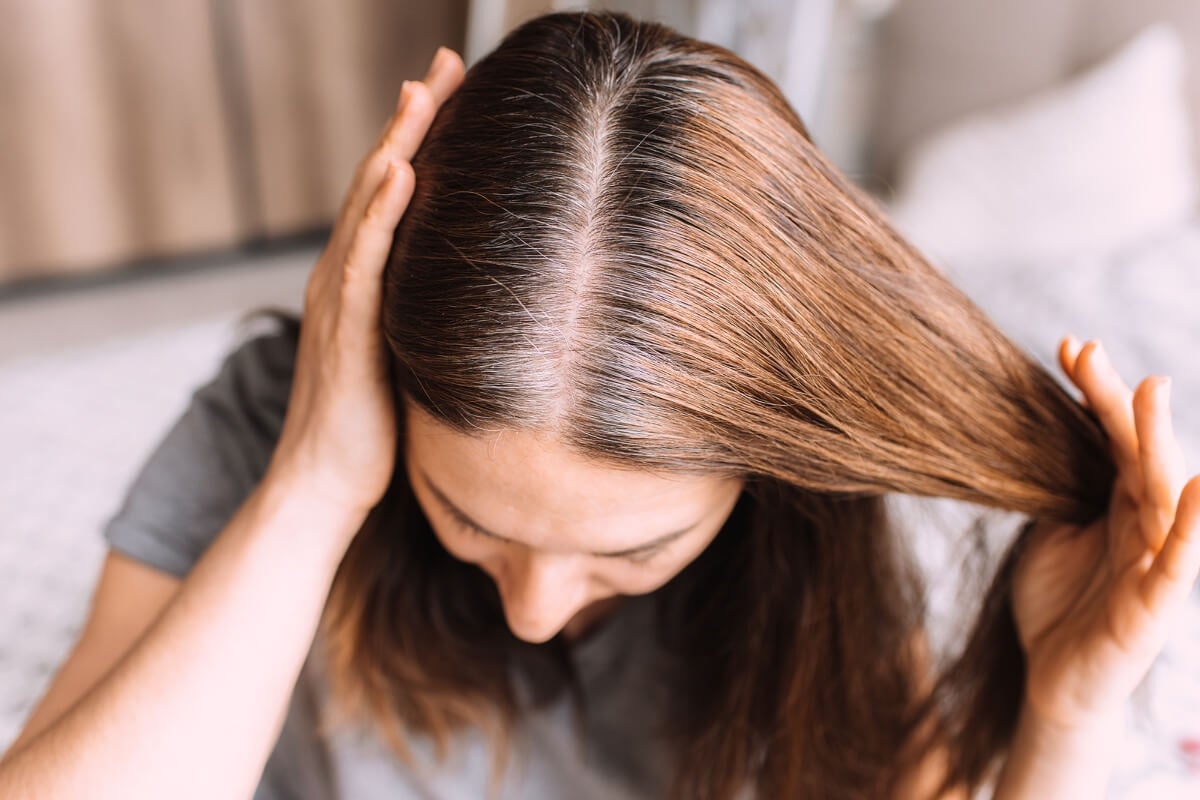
(529, 487)
(536, 462)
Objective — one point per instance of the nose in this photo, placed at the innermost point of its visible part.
(543, 592)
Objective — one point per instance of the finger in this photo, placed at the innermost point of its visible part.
(1163, 465)
(445, 74)
(404, 136)
(1173, 571)
(403, 133)
(362, 274)
(1111, 400)
(399, 143)
(443, 77)
(1068, 352)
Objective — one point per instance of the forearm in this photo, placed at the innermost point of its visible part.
(195, 707)
(1045, 761)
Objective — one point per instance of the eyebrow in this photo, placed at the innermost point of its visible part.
(632, 551)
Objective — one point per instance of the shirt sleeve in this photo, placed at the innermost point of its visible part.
(209, 461)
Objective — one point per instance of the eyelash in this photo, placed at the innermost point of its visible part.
(636, 558)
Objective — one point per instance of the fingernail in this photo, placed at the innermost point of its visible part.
(1101, 355)
(403, 96)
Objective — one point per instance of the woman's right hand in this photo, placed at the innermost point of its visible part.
(338, 441)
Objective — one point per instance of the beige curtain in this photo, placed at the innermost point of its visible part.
(137, 129)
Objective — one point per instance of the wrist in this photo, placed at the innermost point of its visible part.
(325, 523)
(1099, 730)
(302, 477)
(1049, 758)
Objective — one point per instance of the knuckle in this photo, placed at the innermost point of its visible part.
(348, 283)
(420, 96)
(375, 218)
(376, 162)
(352, 267)
(356, 267)
(405, 168)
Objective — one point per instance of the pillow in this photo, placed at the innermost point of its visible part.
(1080, 170)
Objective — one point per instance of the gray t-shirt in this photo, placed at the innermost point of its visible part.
(198, 476)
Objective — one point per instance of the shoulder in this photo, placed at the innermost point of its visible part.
(236, 413)
(235, 417)
(256, 372)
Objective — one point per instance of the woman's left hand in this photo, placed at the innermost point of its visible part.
(1094, 604)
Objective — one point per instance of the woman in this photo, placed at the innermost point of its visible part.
(612, 380)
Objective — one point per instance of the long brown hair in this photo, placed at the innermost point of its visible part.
(626, 237)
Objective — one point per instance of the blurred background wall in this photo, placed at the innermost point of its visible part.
(137, 129)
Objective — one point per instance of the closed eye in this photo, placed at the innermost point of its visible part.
(634, 556)
(641, 556)
(470, 527)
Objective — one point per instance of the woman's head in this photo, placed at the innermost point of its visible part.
(624, 239)
(629, 295)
